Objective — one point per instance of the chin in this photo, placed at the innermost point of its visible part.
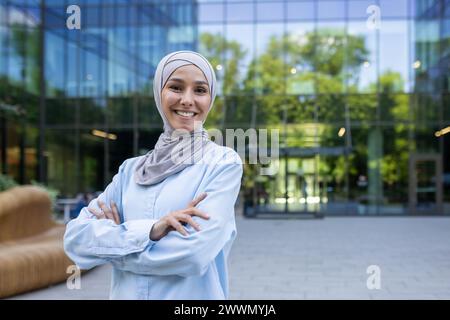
(187, 128)
(183, 126)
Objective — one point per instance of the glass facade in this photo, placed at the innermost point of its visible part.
(359, 90)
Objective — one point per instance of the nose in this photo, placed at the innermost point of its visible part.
(187, 99)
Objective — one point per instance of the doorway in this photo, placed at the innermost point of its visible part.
(425, 184)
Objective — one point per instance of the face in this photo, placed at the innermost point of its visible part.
(186, 97)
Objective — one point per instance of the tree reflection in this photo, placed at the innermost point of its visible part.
(314, 78)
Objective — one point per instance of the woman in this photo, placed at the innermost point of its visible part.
(166, 221)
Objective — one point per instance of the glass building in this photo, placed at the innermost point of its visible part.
(358, 89)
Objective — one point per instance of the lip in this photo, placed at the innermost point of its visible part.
(185, 117)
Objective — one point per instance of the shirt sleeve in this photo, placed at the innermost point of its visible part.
(89, 241)
(176, 254)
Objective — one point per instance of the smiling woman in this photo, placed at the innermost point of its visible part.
(186, 97)
(167, 226)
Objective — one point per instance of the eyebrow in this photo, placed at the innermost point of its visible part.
(181, 80)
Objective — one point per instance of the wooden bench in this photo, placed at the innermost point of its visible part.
(31, 243)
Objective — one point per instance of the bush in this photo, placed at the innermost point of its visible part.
(6, 182)
(52, 193)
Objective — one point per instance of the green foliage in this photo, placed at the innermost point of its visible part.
(216, 48)
(6, 182)
(25, 42)
(319, 66)
(52, 193)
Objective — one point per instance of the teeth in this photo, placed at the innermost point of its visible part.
(184, 113)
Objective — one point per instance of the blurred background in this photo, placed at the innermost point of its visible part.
(361, 99)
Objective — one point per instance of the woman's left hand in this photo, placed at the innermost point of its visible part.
(106, 213)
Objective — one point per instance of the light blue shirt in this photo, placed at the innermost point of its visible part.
(176, 266)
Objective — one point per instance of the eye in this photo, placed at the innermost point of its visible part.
(174, 87)
(202, 90)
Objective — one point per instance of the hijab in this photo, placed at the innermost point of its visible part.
(175, 149)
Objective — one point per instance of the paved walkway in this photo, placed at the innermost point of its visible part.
(321, 259)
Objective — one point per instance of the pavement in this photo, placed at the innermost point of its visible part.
(330, 258)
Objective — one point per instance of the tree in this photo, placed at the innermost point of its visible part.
(228, 55)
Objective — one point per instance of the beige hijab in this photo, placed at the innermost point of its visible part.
(175, 149)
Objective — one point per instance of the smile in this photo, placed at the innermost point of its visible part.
(186, 114)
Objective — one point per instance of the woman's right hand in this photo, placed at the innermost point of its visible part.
(176, 219)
